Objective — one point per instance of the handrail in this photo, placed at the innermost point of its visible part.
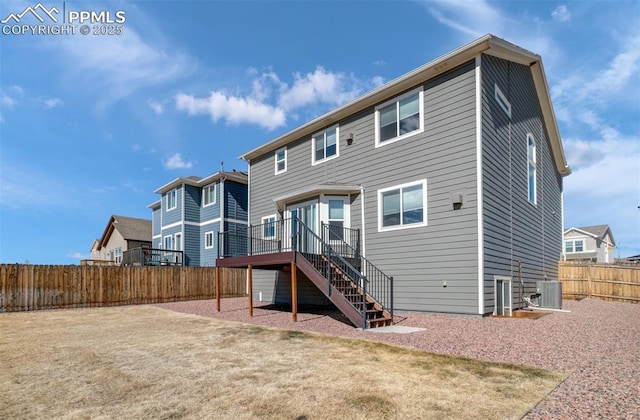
(294, 235)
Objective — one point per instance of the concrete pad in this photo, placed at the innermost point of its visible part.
(398, 329)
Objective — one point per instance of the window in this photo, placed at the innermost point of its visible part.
(502, 101)
(172, 199)
(269, 227)
(168, 241)
(325, 145)
(209, 195)
(400, 118)
(402, 206)
(208, 240)
(177, 242)
(336, 220)
(574, 246)
(281, 160)
(117, 255)
(531, 160)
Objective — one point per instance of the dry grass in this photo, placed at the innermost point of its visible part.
(145, 362)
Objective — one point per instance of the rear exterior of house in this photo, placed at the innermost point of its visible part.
(193, 210)
(121, 234)
(452, 174)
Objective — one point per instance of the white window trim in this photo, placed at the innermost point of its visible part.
(535, 170)
(175, 202)
(313, 145)
(164, 242)
(215, 194)
(397, 187)
(275, 156)
(205, 240)
(265, 220)
(502, 101)
(573, 241)
(397, 99)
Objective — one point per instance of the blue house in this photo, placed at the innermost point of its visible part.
(192, 210)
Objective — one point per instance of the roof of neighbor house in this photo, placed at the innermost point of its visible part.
(597, 232)
(196, 181)
(131, 229)
(488, 44)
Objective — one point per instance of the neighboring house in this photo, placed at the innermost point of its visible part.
(451, 176)
(121, 234)
(592, 243)
(95, 250)
(188, 216)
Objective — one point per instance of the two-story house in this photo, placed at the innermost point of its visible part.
(192, 210)
(445, 185)
(121, 234)
(589, 243)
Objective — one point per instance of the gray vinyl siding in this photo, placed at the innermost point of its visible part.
(274, 286)
(174, 215)
(192, 199)
(208, 256)
(422, 258)
(516, 230)
(212, 211)
(191, 240)
(236, 201)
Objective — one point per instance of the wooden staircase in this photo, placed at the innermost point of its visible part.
(344, 291)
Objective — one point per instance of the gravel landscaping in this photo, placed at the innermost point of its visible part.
(597, 343)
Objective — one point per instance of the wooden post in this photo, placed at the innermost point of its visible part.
(294, 292)
(217, 289)
(250, 287)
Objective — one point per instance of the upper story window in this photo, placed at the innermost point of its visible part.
(117, 255)
(576, 245)
(209, 195)
(281, 160)
(400, 118)
(403, 206)
(531, 172)
(325, 145)
(172, 199)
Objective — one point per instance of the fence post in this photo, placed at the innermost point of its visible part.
(589, 291)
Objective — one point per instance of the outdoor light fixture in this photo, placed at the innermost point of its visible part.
(350, 139)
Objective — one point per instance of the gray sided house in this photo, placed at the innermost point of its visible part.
(450, 176)
(589, 243)
(192, 210)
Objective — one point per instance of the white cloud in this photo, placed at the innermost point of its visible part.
(320, 86)
(118, 66)
(7, 101)
(271, 99)
(472, 18)
(155, 106)
(52, 102)
(561, 14)
(177, 162)
(233, 109)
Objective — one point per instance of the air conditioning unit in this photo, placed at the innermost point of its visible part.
(550, 294)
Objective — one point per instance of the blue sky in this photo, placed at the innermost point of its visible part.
(91, 125)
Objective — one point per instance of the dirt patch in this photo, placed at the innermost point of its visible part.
(146, 362)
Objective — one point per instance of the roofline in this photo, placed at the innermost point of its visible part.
(607, 230)
(581, 231)
(240, 177)
(155, 204)
(488, 44)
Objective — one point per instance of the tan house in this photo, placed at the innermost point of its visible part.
(121, 234)
(592, 243)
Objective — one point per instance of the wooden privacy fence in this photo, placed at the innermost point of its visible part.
(33, 287)
(616, 282)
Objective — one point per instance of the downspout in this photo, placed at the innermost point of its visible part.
(222, 214)
(362, 248)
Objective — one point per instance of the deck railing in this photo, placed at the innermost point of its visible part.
(338, 246)
(152, 256)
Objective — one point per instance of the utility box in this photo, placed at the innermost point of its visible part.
(550, 294)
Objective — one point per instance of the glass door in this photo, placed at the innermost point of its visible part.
(304, 236)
